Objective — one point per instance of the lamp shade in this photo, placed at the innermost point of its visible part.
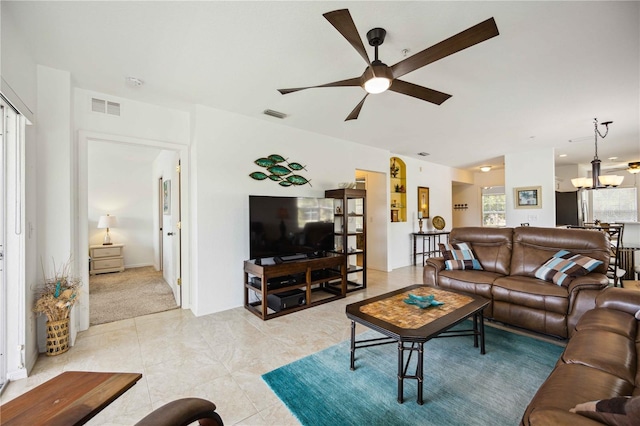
(610, 180)
(582, 182)
(107, 221)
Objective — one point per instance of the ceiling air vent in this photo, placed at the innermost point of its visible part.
(105, 107)
(275, 114)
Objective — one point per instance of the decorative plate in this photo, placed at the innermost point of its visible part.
(438, 223)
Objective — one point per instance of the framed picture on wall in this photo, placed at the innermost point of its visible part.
(423, 202)
(166, 197)
(529, 197)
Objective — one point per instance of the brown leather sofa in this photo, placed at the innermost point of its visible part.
(509, 257)
(599, 362)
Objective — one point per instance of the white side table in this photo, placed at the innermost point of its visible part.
(106, 258)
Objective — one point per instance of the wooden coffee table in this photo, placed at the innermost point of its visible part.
(410, 327)
(71, 398)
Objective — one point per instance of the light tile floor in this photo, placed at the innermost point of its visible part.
(219, 357)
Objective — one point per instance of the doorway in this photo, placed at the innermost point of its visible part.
(85, 225)
(375, 183)
(119, 186)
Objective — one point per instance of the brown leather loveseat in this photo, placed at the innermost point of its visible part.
(509, 258)
(599, 363)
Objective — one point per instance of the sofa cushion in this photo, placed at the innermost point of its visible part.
(611, 320)
(459, 256)
(470, 281)
(564, 266)
(618, 411)
(534, 246)
(491, 246)
(603, 350)
(532, 293)
(571, 384)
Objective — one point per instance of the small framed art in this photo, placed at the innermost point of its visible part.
(528, 197)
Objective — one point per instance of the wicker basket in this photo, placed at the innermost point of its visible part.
(57, 337)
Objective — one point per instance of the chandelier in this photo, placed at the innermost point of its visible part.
(596, 181)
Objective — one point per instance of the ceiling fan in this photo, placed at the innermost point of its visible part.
(379, 77)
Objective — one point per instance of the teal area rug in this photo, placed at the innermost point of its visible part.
(461, 387)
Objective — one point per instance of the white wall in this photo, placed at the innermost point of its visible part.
(225, 146)
(438, 179)
(463, 193)
(533, 168)
(55, 171)
(17, 67)
(120, 183)
(564, 174)
(137, 119)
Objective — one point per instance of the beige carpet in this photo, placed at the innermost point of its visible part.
(132, 293)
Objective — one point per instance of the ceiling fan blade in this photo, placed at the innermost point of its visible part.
(419, 92)
(467, 38)
(342, 83)
(356, 111)
(342, 21)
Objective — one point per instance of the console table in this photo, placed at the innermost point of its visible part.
(430, 241)
(71, 398)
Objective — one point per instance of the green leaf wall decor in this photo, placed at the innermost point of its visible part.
(277, 171)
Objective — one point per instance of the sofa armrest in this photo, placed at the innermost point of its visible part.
(432, 266)
(545, 416)
(594, 281)
(621, 299)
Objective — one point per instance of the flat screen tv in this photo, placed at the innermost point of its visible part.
(288, 226)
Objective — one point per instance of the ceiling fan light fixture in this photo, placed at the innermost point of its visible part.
(377, 78)
(377, 85)
(634, 167)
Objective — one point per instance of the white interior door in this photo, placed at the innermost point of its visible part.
(167, 234)
(3, 291)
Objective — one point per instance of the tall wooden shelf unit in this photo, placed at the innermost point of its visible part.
(350, 209)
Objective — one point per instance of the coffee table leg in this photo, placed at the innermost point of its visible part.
(475, 330)
(400, 371)
(420, 371)
(481, 317)
(353, 345)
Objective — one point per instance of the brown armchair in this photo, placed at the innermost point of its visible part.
(183, 412)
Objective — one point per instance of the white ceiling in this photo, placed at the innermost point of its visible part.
(553, 68)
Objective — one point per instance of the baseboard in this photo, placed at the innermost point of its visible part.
(139, 265)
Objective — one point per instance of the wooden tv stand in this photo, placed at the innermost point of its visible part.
(322, 279)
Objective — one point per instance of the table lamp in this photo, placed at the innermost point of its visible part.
(420, 220)
(106, 222)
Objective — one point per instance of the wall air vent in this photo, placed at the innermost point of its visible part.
(98, 105)
(113, 108)
(275, 114)
(105, 107)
